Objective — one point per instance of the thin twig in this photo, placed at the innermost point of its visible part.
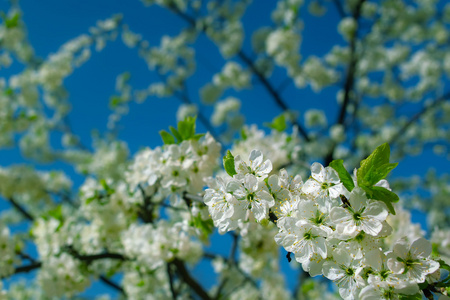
(193, 197)
(21, 209)
(350, 77)
(189, 280)
(275, 95)
(232, 257)
(339, 8)
(172, 288)
(417, 116)
(26, 256)
(112, 284)
(89, 258)
(25, 268)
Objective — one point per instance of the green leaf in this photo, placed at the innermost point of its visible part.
(106, 187)
(380, 172)
(176, 134)
(56, 213)
(13, 21)
(382, 194)
(114, 101)
(140, 283)
(205, 226)
(167, 138)
(126, 76)
(417, 296)
(228, 164)
(186, 128)
(90, 199)
(446, 281)
(443, 265)
(309, 285)
(375, 167)
(344, 176)
(278, 123)
(9, 92)
(243, 134)
(198, 136)
(423, 285)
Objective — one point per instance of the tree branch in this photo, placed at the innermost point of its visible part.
(21, 209)
(232, 257)
(27, 268)
(271, 91)
(192, 197)
(112, 284)
(350, 77)
(417, 116)
(89, 258)
(184, 274)
(172, 288)
(339, 8)
(252, 66)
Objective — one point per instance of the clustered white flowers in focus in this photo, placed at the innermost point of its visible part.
(334, 229)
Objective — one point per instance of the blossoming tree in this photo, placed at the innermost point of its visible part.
(306, 188)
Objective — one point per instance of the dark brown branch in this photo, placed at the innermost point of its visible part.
(339, 8)
(26, 256)
(271, 90)
(189, 280)
(220, 289)
(302, 276)
(232, 257)
(27, 268)
(112, 284)
(417, 116)
(192, 197)
(246, 277)
(89, 258)
(172, 287)
(21, 209)
(275, 95)
(350, 77)
(145, 212)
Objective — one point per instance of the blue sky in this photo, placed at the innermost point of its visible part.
(53, 22)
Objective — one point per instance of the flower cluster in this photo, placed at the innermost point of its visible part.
(332, 229)
(174, 168)
(281, 147)
(234, 200)
(152, 245)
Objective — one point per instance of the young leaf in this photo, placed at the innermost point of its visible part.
(373, 168)
(243, 134)
(344, 176)
(166, 137)
(417, 296)
(205, 226)
(176, 134)
(114, 101)
(228, 164)
(198, 136)
(278, 123)
(13, 21)
(186, 128)
(106, 187)
(382, 194)
(183, 130)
